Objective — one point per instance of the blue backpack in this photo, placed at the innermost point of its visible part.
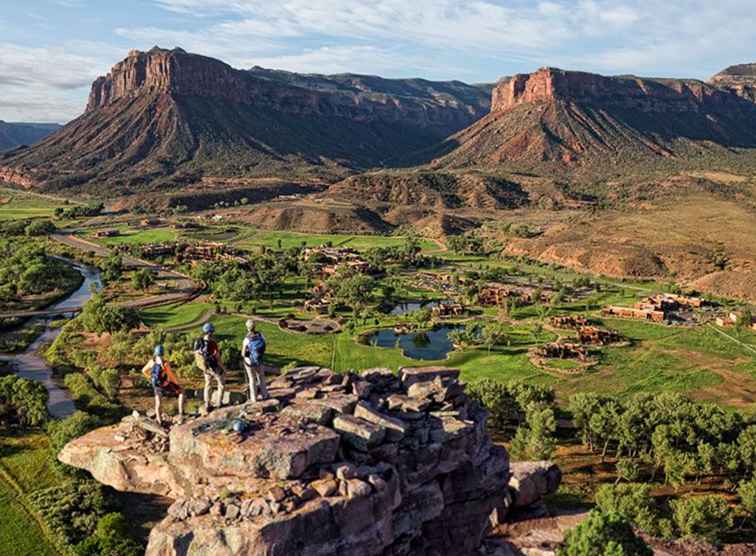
(255, 349)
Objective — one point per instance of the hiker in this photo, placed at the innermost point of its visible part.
(208, 358)
(164, 383)
(253, 349)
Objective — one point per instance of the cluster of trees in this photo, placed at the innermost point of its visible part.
(407, 255)
(80, 211)
(466, 244)
(22, 401)
(99, 316)
(27, 227)
(666, 432)
(481, 333)
(524, 412)
(27, 270)
(704, 517)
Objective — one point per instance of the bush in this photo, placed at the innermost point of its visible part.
(71, 509)
(634, 502)
(99, 316)
(603, 534)
(110, 538)
(702, 517)
(24, 400)
(40, 228)
(747, 493)
(62, 432)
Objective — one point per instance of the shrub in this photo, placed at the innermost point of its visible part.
(26, 399)
(747, 493)
(62, 432)
(633, 501)
(702, 517)
(603, 534)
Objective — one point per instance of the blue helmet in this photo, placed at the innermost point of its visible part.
(159, 350)
(208, 328)
(240, 426)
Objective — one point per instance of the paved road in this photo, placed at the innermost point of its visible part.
(183, 288)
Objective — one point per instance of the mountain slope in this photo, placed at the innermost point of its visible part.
(166, 117)
(13, 135)
(739, 79)
(573, 120)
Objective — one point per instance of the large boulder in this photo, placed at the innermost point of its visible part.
(532, 480)
(374, 464)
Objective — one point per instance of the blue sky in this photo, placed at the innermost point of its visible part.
(51, 50)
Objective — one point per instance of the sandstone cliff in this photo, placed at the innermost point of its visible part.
(163, 118)
(370, 464)
(580, 120)
(739, 79)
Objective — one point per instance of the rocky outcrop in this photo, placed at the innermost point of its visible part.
(648, 95)
(16, 177)
(582, 119)
(370, 464)
(532, 480)
(739, 79)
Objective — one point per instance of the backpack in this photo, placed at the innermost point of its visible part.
(202, 355)
(255, 348)
(158, 375)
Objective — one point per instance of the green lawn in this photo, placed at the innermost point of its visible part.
(18, 205)
(175, 315)
(24, 461)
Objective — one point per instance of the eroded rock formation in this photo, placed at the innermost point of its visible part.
(370, 464)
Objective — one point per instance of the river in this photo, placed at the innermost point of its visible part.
(29, 364)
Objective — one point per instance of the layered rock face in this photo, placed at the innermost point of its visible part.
(166, 118)
(661, 95)
(739, 79)
(371, 464)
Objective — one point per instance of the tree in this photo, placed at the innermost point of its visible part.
(634, 502)
(702, 517)
(99, 316)
(603, 534)
(40, 228)
(27, 399)
(112, 268)
(535, 439)
(747, 493)
(143, 279)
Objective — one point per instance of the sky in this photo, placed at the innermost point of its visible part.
(52, 50)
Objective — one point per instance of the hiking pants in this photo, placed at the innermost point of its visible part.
(216, 374)
(256, 381)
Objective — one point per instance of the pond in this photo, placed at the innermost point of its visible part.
(425, 344)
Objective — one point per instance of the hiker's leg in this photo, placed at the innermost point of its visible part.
(220, 378)
(206, 392)
(157, 409)
(250, 374)
(181, 406)
(261, 382)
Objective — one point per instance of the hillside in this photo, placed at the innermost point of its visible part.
(739, 79)
(13, 135)
(580, 123)
(165, 118)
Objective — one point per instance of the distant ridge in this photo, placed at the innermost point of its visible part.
(575, 119)
(164, 118)
(13, 135)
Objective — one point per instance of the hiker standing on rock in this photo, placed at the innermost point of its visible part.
(164, 383)
(208, 358)
(253, 349)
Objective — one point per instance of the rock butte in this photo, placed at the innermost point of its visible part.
(333, 464)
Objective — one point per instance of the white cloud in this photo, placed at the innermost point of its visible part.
(49, 84)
